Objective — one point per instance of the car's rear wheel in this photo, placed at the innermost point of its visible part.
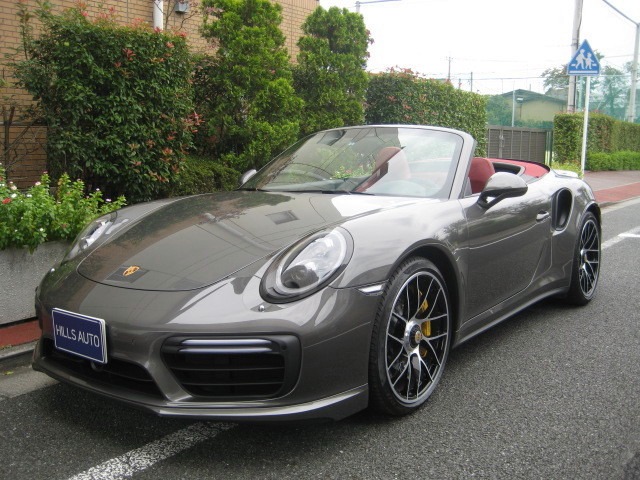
(586, 263)
(411, 338)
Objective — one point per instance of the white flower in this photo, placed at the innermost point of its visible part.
(13, 187)
(29, 195)
(14, 195)
(38, 183)
(42, 229)
(2, 185)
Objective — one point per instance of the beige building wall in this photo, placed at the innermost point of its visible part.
(25, 159)
(539, 110)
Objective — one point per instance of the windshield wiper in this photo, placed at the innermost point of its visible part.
(329, 192)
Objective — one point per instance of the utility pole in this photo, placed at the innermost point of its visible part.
(631, 111)
(575, 41)
(449, 70)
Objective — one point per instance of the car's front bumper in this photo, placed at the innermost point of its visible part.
(330, 373)
(334, 407)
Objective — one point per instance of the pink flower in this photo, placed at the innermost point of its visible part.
(6, 200)
(169, 45)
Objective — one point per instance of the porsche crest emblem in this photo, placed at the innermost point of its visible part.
(130, 270)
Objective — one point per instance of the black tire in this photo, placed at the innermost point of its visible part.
(411, 338)
(586, 262)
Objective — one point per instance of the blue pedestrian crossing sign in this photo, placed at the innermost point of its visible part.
(584, 62)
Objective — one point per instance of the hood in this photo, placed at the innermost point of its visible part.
(196, 241)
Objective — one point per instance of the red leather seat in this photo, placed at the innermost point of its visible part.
(480, 171)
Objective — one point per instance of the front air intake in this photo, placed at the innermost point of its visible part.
(225, 369)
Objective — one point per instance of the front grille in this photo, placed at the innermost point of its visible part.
(116, 372)
(224, 368)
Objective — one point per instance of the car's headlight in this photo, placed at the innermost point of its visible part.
(307, 266)
(99, 227)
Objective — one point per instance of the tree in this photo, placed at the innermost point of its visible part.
(611, 96)
(555, 78)
(499, 111)
(245, 90)
(330, 76)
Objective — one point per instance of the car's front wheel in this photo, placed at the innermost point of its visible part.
(411, 338)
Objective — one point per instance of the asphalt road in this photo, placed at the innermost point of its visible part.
(553, 393)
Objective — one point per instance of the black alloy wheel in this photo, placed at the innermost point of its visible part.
(586, 264)
(411, 338)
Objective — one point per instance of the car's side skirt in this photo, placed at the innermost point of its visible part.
(499, 313)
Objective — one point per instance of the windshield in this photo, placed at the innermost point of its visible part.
(400, 161)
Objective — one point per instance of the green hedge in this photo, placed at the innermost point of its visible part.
(624, 160)
(117, 100)
(401, 97)
(606, 136)
(203, 175)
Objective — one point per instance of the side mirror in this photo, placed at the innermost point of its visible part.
(501, 185)
(247, 175)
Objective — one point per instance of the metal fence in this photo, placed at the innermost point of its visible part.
(516, 143)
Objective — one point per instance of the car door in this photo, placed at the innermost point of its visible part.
(508, 246)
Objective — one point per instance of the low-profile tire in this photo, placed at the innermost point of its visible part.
(586, 262)
(411, 338)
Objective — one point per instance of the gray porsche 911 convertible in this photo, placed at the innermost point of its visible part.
(337, 277)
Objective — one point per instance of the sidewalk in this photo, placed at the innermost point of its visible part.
(609, 187)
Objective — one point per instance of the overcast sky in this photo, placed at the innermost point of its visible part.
(506, 44)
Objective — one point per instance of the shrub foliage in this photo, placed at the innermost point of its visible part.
(245, 90)
(402, 97)
(117, 100)
(623, 160)
(30, 218)
(330, 76)
(203, 175)
(611, 143)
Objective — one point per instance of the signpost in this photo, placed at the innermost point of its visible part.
(584, 63)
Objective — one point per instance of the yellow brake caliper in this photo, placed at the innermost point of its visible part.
(426, 327)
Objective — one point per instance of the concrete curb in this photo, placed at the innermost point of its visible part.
(11, 353)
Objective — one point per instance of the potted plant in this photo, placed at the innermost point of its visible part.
(36, 227)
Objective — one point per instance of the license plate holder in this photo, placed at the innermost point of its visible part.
(80, 335)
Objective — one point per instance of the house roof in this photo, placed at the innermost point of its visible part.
(528, 96)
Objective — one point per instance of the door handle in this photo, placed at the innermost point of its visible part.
(542, 216)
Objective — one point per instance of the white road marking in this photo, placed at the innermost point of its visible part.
(633, 233)
(142, 458)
